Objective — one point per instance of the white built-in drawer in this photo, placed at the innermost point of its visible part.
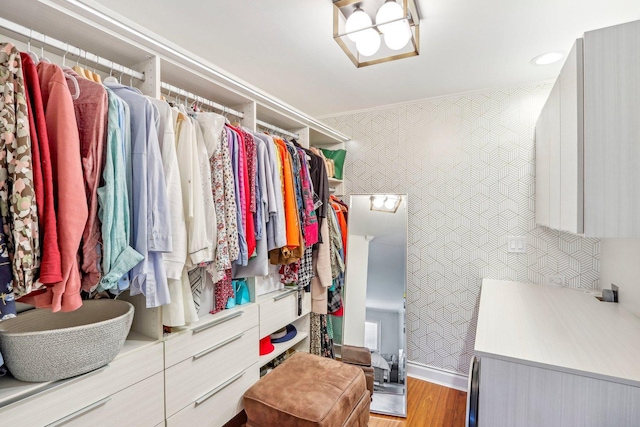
(139, 405)
(220, 404)
(278, 311)
(194, 377)
(75, 394)
(208, 332)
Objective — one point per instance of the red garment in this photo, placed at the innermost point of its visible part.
(91, 110)
(72, 211)
(50, 270)
(339, 209)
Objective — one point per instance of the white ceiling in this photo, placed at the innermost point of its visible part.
(286, 47)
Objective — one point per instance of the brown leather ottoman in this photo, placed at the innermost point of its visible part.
(309, 391)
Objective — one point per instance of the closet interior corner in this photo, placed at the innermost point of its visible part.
(211, 202)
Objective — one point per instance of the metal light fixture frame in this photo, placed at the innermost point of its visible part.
(410, 13)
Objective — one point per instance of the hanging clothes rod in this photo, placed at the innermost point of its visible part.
(201, 100)
(66, 47)
(276, 129)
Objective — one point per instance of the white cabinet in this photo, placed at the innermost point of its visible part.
(558, 151)
(612, 131)
(555, 357)
(587, 139)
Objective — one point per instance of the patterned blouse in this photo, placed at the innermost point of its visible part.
(17, 195)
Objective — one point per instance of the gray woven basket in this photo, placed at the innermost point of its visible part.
(39, 345)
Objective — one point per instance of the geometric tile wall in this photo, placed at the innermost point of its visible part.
(467, 163)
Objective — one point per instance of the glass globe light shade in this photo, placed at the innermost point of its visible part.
(390, 203)
(368, 43)
(397, 35)
(390, 11)
(356, 22)
(378, 202)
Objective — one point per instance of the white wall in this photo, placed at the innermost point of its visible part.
(355, 290)
(620, 265)
(390, 340)
(467, 163)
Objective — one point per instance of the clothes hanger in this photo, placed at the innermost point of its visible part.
(88, 74)
(33, 56)
(96, 76)
(70, 77)
(111, 78)
(64, 59)
(42, 58)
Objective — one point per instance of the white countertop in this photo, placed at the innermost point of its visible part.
(560, 329)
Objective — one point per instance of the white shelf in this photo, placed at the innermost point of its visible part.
(334, 182)
(281, 348)
(13, 390)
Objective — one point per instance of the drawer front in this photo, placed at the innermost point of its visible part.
(203, 335)
(194, 377)
(278, 312)
(218, 406)
(139, 405)
(73, 395)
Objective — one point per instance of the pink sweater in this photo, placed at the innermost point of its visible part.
(68, 186)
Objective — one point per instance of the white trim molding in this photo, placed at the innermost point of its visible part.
(438, 376)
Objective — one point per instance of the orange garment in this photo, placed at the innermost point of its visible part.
(292, 219)
(68, 183)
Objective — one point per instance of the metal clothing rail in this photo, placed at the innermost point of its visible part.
(176, 90)
(276, 129)
(67, 48)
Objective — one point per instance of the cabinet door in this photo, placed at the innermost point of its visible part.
(542, 167)
(572, 142)
(553, 124)
(612, 131)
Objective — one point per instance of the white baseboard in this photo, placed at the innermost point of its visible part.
(438, 376)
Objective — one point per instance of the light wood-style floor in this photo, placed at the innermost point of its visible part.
(428, 405)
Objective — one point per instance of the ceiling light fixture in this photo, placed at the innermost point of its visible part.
(385, 203)
(547, 58)
(360, 37)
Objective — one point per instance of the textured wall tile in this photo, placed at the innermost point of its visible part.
(468, 165)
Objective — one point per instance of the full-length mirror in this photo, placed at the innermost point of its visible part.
(375, 291)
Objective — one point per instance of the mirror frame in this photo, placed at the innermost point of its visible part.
(345, 302)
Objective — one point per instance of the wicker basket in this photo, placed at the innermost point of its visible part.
(39, 345)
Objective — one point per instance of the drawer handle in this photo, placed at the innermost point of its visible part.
(217, 346)
(285, 294)
(219, 388)
(80, 412)
(217, 322)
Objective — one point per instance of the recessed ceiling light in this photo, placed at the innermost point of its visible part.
(547, 58)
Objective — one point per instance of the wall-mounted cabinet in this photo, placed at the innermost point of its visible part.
(587, 139)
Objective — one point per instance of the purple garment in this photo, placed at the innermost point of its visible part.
(243, 257)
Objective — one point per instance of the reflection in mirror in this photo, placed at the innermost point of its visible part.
(375, 290)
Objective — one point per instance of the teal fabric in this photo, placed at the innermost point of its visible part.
(118, 257)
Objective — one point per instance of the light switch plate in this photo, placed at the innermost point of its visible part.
(555, 280)
(517, 244)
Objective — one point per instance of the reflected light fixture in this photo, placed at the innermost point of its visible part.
(385, 203)
(376, 31)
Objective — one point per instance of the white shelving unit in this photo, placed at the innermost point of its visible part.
(144, 360)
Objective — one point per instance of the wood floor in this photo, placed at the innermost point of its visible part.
(428, 405)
